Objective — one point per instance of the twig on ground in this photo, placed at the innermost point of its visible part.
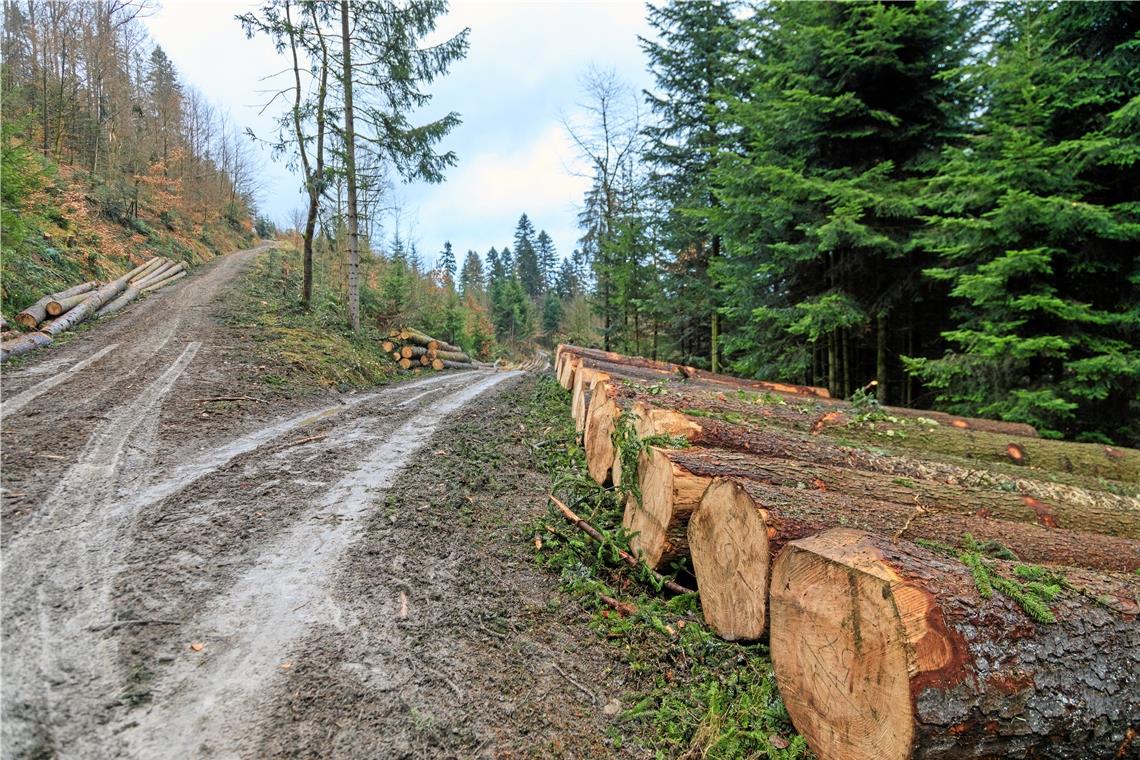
(133, 621)
(299, 441)
(628, 558)
(580, 687)
(230, 398)
(624, 609)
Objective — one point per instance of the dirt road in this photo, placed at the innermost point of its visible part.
(163, 565)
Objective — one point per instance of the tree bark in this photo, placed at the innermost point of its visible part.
(164, 282)
(37, 312)
(124, 299)
(350, 171)
(747, 515)
(84, 310)
(885, 650)
(450, 356)
(413, 352)
(23, 344)
(58, 306)
(1055, 504)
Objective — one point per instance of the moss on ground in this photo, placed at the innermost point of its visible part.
(704, 697)
(314, 347)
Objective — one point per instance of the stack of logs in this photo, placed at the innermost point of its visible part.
(61, 311)
(412, 349)
(849, 535)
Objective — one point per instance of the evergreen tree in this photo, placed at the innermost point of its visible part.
(1037, 222)
(446, 263)
(471, 276)
(508, 261)
(551, 314)
(496, 270)
(547, 260)
(566, 284)
(820, 273)
(526, 258)
(692, 59)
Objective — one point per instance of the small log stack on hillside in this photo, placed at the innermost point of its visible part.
(412, 349)
(931, 585)
(61, 311)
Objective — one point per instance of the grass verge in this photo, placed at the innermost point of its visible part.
(310, 348)
(704, 697)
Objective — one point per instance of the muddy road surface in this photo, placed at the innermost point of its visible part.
(171, 571)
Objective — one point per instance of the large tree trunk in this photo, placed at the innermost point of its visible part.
(86, 309)
(37, 312)
(1058, 504)
(23, 344)
(450, 356)
(124, 299)
(886, 651)
(164, 282)
(743, 521)
(658, 522)
(59, 306)
(413, 352)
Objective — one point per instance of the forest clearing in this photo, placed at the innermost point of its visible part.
(698, 379)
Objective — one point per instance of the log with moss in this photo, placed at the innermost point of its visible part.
(742, 522)
(885, 650)
(1055, 504)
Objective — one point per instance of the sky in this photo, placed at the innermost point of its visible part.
(520, 80)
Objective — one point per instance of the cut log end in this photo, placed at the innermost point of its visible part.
(836, 619)
(728, 542)
(598, 437)
(669, 496)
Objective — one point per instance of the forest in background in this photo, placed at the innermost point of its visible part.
(107, 157)
(940, 197)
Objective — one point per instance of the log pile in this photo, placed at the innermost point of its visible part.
(930, 585)
(57, 312)
(412, 349)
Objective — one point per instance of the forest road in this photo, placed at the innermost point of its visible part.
(158, 560)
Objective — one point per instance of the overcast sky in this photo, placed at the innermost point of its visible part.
(519, 79)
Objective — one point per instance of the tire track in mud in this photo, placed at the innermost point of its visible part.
(55, 574)
(206, 697)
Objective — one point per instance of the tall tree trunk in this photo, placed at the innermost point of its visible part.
(881, 357)
(350, 171)
(832, 365)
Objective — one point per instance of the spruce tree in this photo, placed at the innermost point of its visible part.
(1037, 223)
(693, 64)
(526, 258)
(848, 105)
(547, 259)
(446, 263)
(471, 276)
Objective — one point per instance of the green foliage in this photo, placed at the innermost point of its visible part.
(691, 693)
(629, 447)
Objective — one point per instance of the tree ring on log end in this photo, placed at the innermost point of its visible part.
(728, 543)
(839, 646)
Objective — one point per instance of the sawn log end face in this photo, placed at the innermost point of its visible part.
(728, 543)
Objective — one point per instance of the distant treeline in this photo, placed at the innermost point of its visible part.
(941, 197)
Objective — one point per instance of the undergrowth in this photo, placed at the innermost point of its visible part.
(317, 345)
(701, 696)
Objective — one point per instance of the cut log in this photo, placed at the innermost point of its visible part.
(659, 521)
(415, 336)
(142, 271)
(92, 304)
(450, 356)
(1093, 460)
(388, 346)
(58, 306)
(582, 378)
(442, 345)
(741, 524)
(160, 276)
(448, 364)
(762, 402)
(164, 267)
(437, 364)
(163, 283)
(597, 433)
(425, 361)
(406, 363)
(37, 312)
(7, 335)
(876, 488)
(397, 356)
(693, 372)
(23, 344)
(125, 298)
(886, 651)
(413, 352)
(1084, 508)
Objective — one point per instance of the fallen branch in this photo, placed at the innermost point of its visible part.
(625, 609)
(310, 439)
(580, 687)
(230, 398)
(628, 558)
